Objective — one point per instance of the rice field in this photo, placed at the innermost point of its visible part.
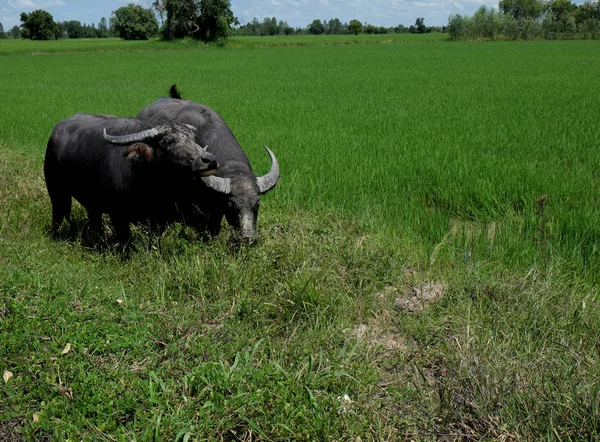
(472, 164)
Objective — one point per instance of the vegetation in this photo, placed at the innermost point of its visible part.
(74, 29)
(132, 22)
(355, 27)
(215, 20)
(529, 19)
(206, 20)
(14, 32)
(39, 25)
(484, 180)
(12, 47)
(270, 26)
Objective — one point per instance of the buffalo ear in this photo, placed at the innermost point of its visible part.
(139, 150)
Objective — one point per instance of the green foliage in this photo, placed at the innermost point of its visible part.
(335, 26)
(2, 33)
(562, 20)
(39, 25)
(181, 17)
(132, 22)
(215, 20)
(420, 27)
(15, 32)
(206, 20)
(522, 9)
(316, 27)
(103, 31)
(355, 27)
(269, 26)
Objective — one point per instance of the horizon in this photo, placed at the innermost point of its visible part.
(296, 13)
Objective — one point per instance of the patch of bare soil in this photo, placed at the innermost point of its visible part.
(379, 331)
(399, 361)
(418, 298)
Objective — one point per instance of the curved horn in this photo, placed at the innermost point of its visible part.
(268, 181)
(130, 138)
(219, 184)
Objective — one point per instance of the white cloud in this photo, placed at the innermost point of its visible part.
(38, 4)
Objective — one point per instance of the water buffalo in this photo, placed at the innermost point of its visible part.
(234, 190)
(121, 166)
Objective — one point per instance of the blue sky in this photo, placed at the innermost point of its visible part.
(295, 12)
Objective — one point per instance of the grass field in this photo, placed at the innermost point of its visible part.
(36, 47)
(472, 165)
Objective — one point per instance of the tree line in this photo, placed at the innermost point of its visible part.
(207, 20)
(529, 19)
(271, 26)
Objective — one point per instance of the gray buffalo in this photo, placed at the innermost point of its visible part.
(124, 167)
(234, 190)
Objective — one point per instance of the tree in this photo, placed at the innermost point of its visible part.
(284, 28)
(39, 25)
(355, 27)
(419, 27)
(215, 20)
(207, 20)
(181, 16)
(102, 28)
(132, 22)
(269, 26)
(561, 17)
(522, 9)
(73, 29)
(334, 26)
(588, 11)
(15, 32)
(316, 27)
(2, 34)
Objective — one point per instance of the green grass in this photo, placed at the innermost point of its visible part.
(401, 163)
(36, 47)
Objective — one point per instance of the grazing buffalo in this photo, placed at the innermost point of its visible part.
(234, 190)
(121, 166)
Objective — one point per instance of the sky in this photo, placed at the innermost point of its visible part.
(297, 13)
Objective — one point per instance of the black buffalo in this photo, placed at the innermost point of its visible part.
(124, 167)
(233, 191)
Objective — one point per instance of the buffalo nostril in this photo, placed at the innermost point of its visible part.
(211, 162)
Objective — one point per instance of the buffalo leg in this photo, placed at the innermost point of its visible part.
(59, 197)
(214, 223)
(61, 204)
(122, 228)
(95, 226)
(61, 209)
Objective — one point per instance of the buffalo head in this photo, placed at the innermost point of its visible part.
(174, 142)
(243, 192)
